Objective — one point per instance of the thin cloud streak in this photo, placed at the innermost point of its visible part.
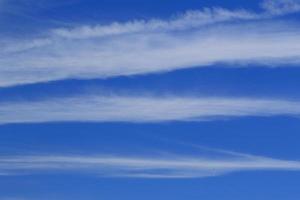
(175, 166)
(191, 19)
(141, 109)
(153, 47)
(188, 20)
(281, 7)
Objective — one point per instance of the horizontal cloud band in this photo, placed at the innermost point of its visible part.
(155, 46)
(141, 109)
(142, 167)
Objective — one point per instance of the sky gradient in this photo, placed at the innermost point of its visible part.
(149, 99)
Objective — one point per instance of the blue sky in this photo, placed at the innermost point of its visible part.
(149, 99)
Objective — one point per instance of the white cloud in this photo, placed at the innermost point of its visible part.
(141, 109)
(174, 166)
(281, 7)
(190, 19)
(155, 46)
(148, 53)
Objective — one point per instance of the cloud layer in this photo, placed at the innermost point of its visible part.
(188, 20)
(175, 166)
(98, 108)
(194, 39)
(281, 7)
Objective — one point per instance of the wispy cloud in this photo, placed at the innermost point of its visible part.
(171, 166)
(191, 19)
(141, 109)
(188, 20)
(140, 47)
(281, 7)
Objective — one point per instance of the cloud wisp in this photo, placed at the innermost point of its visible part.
(188, 20)
(171, 166)
(281, 7)
(195, 39)
(141, 109)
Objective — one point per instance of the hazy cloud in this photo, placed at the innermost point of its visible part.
(174, 166)
(154, 46)
(141, 109)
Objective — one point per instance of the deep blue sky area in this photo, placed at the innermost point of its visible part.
(270, 136)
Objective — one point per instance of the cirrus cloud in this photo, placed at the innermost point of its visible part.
(97, 108)
(195, 39)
